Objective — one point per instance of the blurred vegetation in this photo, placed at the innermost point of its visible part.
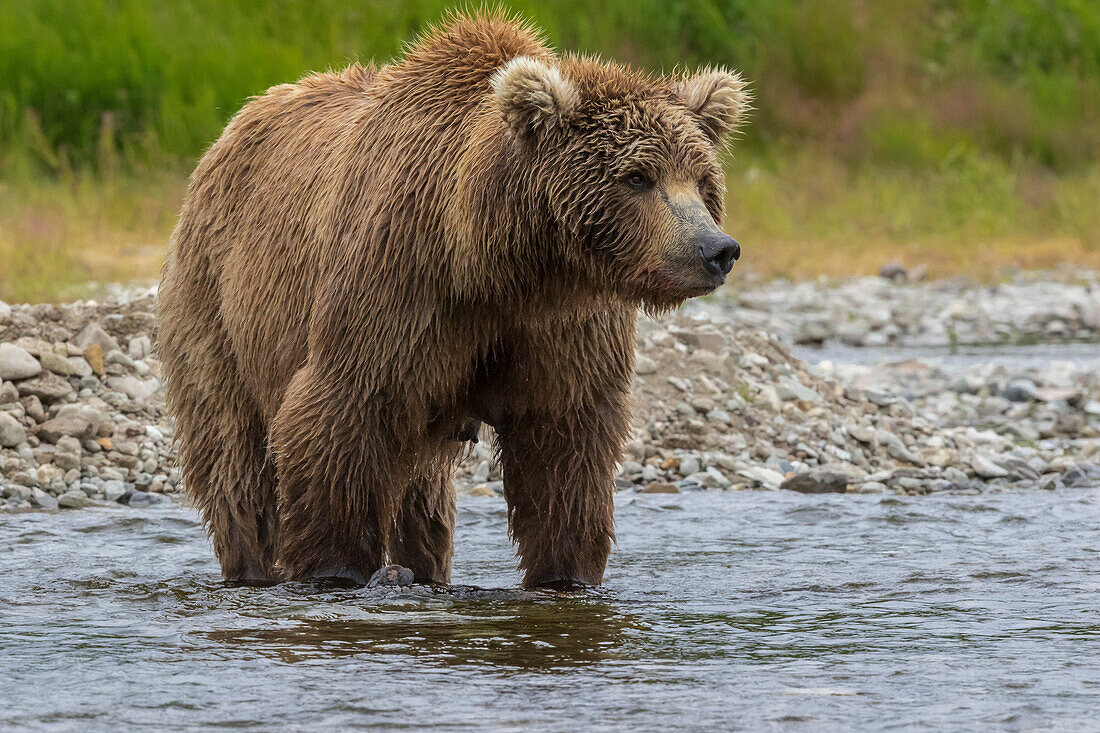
(965, 133)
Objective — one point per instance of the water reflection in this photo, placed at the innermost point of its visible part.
(465, 626)
(742, 610)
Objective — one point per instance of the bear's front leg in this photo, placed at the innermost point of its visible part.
(339, 479)
(567, 389)
(558, 481)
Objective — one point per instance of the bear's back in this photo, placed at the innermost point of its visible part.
(341, 175)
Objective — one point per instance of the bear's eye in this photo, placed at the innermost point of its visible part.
(639, 182)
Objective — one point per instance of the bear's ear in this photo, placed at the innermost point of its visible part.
(532, 95)
(718, 98)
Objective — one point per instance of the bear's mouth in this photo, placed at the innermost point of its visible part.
(693, 287)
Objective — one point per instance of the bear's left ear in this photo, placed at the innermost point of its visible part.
(718, 98)
(532, 95)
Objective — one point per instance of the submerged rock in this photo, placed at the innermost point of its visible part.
(817, 482)
(391, 576)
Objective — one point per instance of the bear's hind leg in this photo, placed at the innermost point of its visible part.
(424, 531)
(245, 520)
(223, 454)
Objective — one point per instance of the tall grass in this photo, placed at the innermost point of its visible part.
(798, 213)
(1014, 77)
(61, 234)
(802, 213)
(960, 133)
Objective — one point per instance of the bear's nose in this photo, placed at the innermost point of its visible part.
(718, 251)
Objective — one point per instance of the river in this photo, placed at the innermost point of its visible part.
(721, 610)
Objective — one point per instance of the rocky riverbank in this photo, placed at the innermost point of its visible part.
(901, 309)
(720, 403)
(81, 406)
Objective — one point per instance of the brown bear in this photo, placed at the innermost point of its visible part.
(368, 262)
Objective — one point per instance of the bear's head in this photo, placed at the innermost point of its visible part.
(627, 168)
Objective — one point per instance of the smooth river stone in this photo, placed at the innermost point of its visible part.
(15, 363)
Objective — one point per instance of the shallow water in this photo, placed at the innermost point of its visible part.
(1084, 354)
(721, 611)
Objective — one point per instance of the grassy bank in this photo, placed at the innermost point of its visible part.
(803, 214)
(798, 215)
(57, 234)
(958, 134)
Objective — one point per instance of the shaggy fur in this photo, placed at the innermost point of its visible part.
(368, 260)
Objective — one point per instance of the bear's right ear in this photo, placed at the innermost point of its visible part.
(532, 95)
(717, 98)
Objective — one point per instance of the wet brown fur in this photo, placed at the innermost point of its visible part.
(366, 259)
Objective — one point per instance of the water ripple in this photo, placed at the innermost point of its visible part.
(728, 611)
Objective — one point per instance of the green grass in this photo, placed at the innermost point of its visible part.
(960, 133)
(798, 213)
(802, 213)
(893, 80)
(60, 234)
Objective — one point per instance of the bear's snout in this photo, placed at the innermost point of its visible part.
(718, 251)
